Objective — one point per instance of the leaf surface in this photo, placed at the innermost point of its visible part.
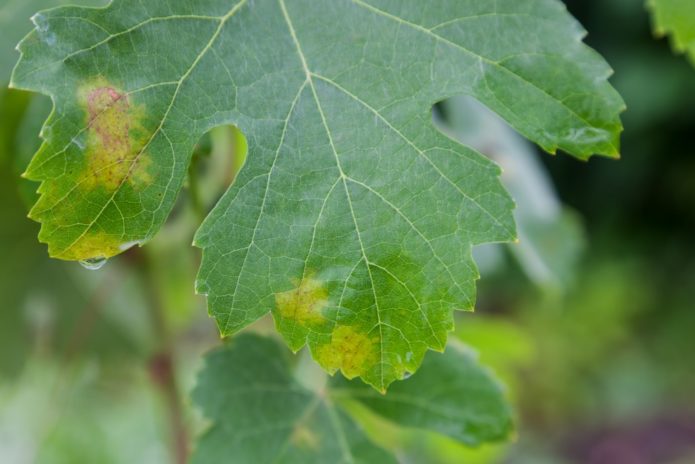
(14, 24)
(677, 19)
(353, 218)
(262, 414)
(452, 394)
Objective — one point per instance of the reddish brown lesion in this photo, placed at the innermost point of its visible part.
(113, 130)
(115, 142)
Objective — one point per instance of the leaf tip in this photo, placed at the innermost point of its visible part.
(441, 349)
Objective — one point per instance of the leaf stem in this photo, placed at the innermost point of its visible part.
(162, 363)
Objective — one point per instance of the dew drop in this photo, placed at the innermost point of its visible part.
(93, 264)
(407, 375)
(128, 245)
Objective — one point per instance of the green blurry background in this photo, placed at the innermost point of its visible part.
(590, 320)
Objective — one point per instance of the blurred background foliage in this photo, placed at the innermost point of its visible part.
(589, 320)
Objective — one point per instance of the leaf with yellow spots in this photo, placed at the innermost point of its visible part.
(301, 306)
(353, 218)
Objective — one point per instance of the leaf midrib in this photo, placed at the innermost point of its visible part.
(309, 76)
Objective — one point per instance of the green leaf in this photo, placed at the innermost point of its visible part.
(262, 414)
(14, 24)
(353, 217)
(677, 19)
(451, 394)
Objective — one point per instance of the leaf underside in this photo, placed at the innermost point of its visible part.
(353, 218)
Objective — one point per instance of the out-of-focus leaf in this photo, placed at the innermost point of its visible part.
(417, 446)
(592, 321)
(51, 415)
(353, 218)
(550, 236)
(54, 307)
(677, 19)
(502, 344)
(452, 394)
(261, 414)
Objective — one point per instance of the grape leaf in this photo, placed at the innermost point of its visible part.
(452, 395)
(353, 218)
(261, 412)
(676, 18)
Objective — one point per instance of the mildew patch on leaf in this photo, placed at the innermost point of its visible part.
(115, 139)
(350, 350)
(304, 304)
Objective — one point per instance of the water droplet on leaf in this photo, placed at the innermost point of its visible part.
(93, 264)
(128, 245)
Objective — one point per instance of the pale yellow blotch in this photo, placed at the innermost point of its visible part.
(303, 304)
(304, 438)
(115, 138)
(95, 244)
(349, 350)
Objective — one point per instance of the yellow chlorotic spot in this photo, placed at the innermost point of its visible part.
(350, 351)
(115, 138)
(303, 304)
(304, 438)
(95, 245)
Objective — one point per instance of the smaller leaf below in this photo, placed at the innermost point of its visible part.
(452, 394)
(264, 411)
(262, 414)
